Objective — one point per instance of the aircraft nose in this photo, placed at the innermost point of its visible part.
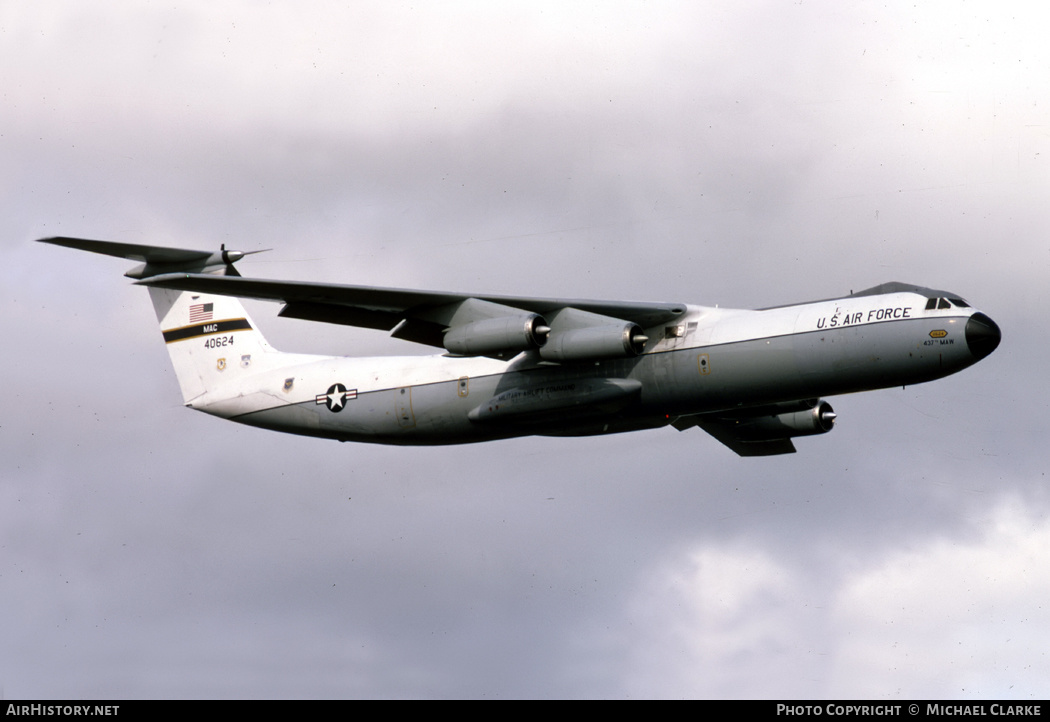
(982, 335)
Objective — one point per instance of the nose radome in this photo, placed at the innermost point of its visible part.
(982, 335)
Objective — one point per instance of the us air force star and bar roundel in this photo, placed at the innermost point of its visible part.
(336, 397)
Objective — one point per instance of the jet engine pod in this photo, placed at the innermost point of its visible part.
(819, 419)
(502, 336)
(595, 342)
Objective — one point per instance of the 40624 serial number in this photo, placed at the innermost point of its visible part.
(218, 341)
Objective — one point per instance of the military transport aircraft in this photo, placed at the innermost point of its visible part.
(516, 366)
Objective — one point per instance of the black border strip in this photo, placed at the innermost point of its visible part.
(206, 329)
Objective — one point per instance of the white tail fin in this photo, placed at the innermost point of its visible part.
(212, 342)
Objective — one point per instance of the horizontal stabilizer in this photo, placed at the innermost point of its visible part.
(156, 260)
(131, 251)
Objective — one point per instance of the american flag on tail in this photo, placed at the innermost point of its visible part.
(200, 312)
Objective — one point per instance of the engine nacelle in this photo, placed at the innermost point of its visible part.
(819, 419)
(502, 336)
(618, 340)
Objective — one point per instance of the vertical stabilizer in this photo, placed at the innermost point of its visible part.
(212, 342)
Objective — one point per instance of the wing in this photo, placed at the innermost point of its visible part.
(766, 430)
(465, 324)
(727, 431)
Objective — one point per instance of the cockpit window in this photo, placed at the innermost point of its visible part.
(942, 303)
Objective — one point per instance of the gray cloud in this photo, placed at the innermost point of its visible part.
(744, 157)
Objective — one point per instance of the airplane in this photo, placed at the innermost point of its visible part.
(517, 366)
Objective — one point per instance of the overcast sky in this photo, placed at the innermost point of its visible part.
(740, 154)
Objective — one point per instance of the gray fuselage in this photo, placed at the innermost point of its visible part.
(707, 360)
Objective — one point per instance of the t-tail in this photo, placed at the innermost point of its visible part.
(196, 327)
